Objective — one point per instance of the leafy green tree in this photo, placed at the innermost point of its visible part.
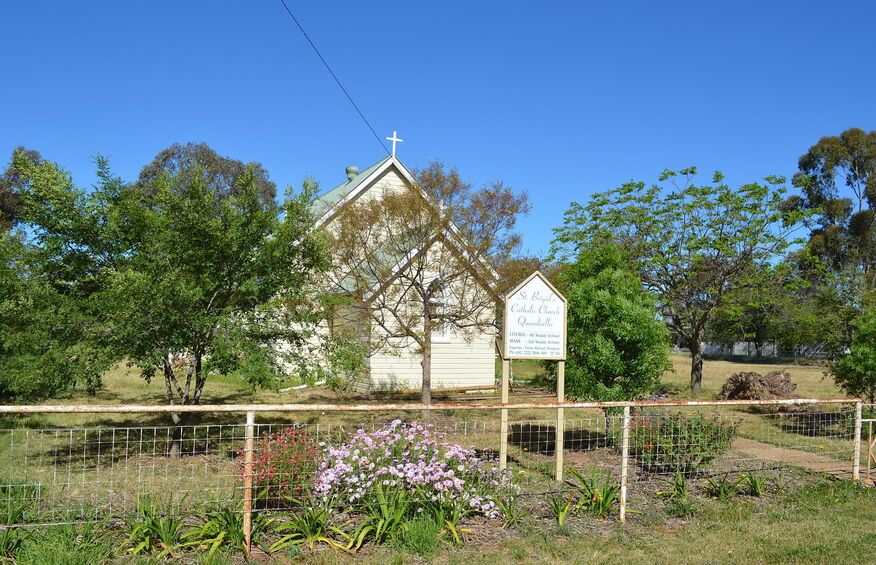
(855, 372)
(10, 191)
(42, 350)
(617, 345)
(692, 245)
(818, 306)
(837, 180)
(180, 276)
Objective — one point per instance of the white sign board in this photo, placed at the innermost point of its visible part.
(535, 321)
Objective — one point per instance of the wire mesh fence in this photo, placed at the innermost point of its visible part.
(52, 475)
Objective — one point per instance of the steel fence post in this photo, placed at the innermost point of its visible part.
(249, 441)
(625, 459)
(856, 462)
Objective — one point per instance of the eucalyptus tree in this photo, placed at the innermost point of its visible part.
(837, 181)
(11, 187)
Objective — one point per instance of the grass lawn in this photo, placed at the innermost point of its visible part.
(823, 522)
(796, 528)
(819, 521)
(810, 379)
(124, 386)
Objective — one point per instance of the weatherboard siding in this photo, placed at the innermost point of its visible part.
(390, 182)
(457, 363)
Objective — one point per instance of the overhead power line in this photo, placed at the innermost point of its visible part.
(334, 76)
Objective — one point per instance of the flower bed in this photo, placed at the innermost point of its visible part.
(409, 462)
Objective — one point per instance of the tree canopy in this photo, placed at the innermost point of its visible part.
(837, 180)
(178, 274)
(183, 164)
(11, 187)
(691, 244)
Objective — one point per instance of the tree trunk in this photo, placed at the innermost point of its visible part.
(696, 365)
(427, 369)
(172, 386)
(176, 438)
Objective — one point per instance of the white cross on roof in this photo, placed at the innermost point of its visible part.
(395, 138)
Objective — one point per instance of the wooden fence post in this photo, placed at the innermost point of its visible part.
(249, 441)
(871, 456)
(503, 425)
(856, 464)
(625, 460)
(561, 418)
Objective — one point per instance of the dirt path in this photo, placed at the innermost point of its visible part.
(806, 460)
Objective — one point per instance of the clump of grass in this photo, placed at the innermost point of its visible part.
(10, 542)
(681, 507)
(675, 489)
(724, 488)
(311, 526)
(754, 484)
(222, 526)
(782, 483)
(68, 545)
(561, 505)
(509, 506)
(16, 498)
(676, 493)
(420, 536)
(154, 530)
(597, 493)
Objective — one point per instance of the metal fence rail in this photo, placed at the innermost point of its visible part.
(98, 471)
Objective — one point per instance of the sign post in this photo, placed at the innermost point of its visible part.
(534, 327)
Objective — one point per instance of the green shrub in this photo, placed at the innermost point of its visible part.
(669, 443)
(284, 465)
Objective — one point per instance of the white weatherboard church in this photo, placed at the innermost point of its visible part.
(458, 361)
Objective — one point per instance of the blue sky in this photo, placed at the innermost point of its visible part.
(561, 99)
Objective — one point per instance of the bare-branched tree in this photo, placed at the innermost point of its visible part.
(425, 260)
